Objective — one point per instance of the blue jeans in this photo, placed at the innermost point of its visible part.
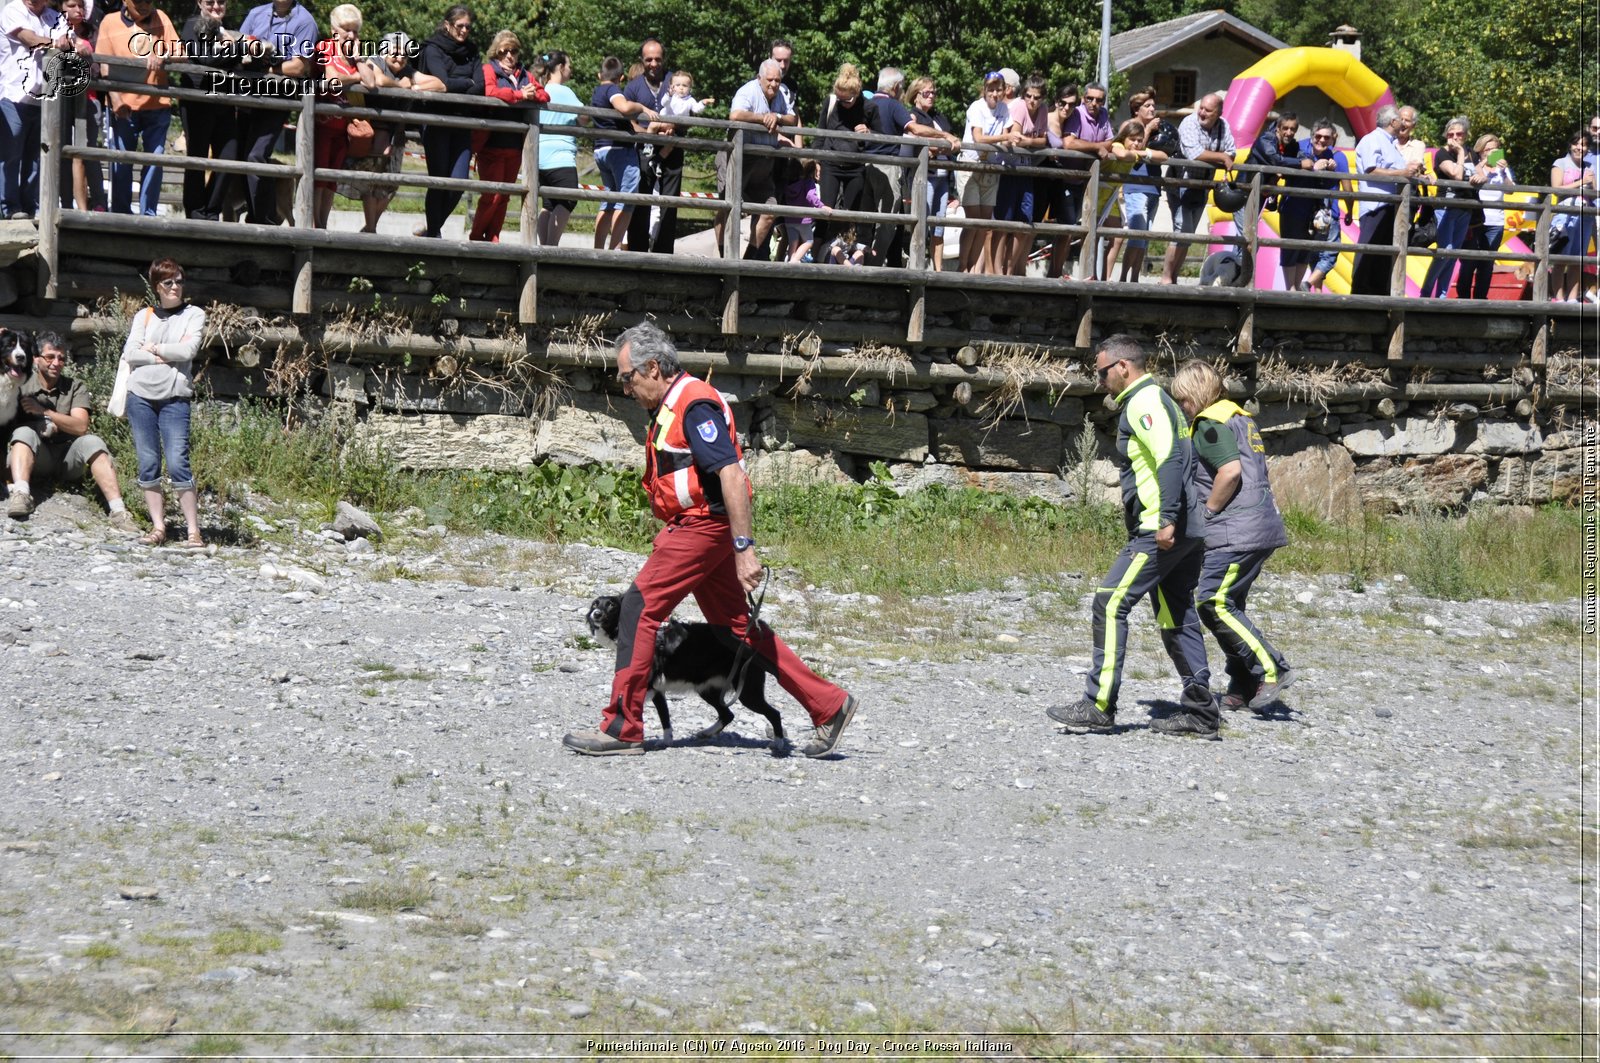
(1326, 260)
(619, 172)
(19, 157)
(1453, 225)
(150, 127)
(161, 428)
(1137, 210)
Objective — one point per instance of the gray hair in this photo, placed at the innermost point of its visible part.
(1097, 85)
(890, 78)
(1386, 115)
(777, 67)
(1124, 348)
(1460, 121)
(1322, 123)
(647, 343)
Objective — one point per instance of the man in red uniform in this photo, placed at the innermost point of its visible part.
(694, 473)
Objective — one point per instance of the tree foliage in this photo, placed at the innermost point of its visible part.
(1525, 70)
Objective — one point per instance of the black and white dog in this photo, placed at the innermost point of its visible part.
(700, 657)
(16, 366)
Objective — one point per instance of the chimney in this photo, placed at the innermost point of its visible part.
(1347, 39)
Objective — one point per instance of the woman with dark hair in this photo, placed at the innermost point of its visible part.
(1574, 170)
(500, 153)
(160, 354)
(558, 152)
(449, 57)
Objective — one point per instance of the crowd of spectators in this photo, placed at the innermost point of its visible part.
(1036, 145)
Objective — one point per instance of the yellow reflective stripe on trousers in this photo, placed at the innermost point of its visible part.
(1109, 649)
(1163, 612)
(1219, 601)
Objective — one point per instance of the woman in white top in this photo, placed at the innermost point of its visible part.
(160, 354)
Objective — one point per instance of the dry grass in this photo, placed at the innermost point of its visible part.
(586, 337)
(1023, 367)
(1313, 385)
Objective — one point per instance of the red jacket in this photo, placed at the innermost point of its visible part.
(508, 87)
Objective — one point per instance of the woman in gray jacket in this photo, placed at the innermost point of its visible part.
(1243, 528)
(160, 354)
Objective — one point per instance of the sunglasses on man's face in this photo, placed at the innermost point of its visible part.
(1094, 99)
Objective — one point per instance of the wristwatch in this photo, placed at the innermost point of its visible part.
(741, 543)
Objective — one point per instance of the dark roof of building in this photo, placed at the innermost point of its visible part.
(1151, 42)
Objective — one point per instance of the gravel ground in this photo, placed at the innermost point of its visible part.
(297, 798)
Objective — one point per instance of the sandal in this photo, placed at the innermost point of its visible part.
(154, 537)
(194, 542)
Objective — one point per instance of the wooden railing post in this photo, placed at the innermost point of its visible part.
(305, 158)
(1397, 273)
(50, 144)
(917, 309)
(1245, 343)
(1091, 210)
(1541, 284)
(528, 270)
(734, 192)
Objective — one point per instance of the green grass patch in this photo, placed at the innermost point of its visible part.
(213, 1046)
(389, 1000)
(1488, 552)
(240, 940)
(406, 896)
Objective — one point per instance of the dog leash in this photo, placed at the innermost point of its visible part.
(746, 652)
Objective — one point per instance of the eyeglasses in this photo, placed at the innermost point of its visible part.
(1032, 97)
(1322, 136)
(1100, 371)
(1066, 103)
(1094, 99)
(627, 378)
(174, 282)
(57, 357)
(1453, 133)
(927, 92)
(463, 26)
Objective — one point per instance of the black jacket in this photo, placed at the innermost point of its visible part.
(458, 65)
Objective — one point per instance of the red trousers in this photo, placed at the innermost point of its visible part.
(694, 555)
(494, 164)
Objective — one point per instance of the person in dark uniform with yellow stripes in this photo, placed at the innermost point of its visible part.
(1165, 546)
(1243, 529)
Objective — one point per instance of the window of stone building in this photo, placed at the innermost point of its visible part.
(1175, 89)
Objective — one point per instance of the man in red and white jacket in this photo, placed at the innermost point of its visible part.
(695, 476)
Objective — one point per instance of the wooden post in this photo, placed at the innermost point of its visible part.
(305, 159)
(528, 270)
(304, 200)
(917, 311)
(734, 193)
(1085, 338)
(1091, 210)
(50, 144)
(919, 210)
(1397, 273)
(1246, 342)
(1541, 286)
(530, 199)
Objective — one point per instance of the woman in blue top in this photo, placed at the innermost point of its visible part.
(558, 152)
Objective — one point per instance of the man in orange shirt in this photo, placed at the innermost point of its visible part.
(142, 33)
